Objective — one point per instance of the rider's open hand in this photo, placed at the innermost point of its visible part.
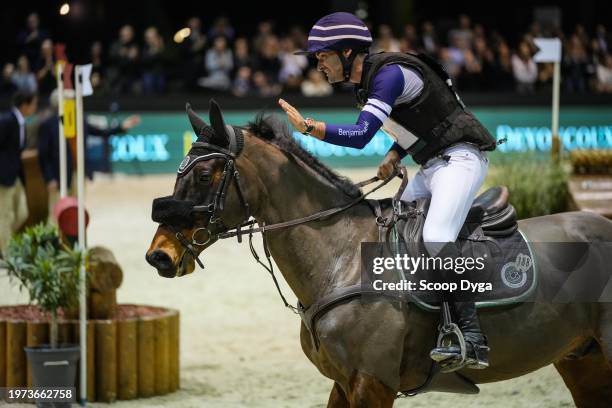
(295, 118)
(388, 165)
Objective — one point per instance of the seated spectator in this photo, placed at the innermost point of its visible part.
(405, 46)
(385, 42)
(575, 65)
(410, 39)
(97, 69)
(449, 62)
(7, 86)
(299, 37)
(485, 57)
(192, 53)
(455, 53)
(292, 66)
(263, 87)
(316, 84)
(242, 82)
(604, 75)
(502, 76)
(524, 69)
(265, 29)
(478, 32)
(470, 78)
(222, 28)
(23, 78)
(602, 39)
(429, 39)
(545, 75)
(581, 35)
(219, 63)
(31, 38)
(124, 57)
(242, 55)
(463, 33)
(152, 57)
(268, 61)
(45, 69)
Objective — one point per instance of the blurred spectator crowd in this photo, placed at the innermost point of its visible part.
(221, 58)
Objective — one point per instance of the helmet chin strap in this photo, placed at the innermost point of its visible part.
(347, 63)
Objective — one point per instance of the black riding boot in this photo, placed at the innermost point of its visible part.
(477, 351)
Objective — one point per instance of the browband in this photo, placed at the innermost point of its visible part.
(190, 160)
(236, 144)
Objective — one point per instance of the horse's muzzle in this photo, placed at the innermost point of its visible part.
(162, 262)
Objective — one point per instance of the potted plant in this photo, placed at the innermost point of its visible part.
(49, 271)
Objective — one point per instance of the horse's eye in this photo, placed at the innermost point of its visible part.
(205, 177)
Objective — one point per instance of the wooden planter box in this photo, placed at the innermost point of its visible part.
(135, 355)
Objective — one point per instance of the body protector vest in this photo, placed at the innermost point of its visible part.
(436, 119)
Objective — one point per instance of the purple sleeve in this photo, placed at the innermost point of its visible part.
(388, 84)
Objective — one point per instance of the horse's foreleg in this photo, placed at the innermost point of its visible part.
(337, 398)
(366, 391)
(589, 379)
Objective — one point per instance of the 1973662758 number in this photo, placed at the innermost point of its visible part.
(47, 394)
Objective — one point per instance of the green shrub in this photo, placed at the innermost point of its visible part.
(46, 268)
(537, 186)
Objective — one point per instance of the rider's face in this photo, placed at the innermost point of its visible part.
(329, 63)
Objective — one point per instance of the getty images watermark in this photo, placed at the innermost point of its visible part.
(406, 264)
(501, 270)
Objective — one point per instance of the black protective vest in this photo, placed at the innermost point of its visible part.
(437, 116)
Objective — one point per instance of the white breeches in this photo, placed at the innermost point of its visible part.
(452, 187)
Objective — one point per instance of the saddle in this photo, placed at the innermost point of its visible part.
(494, 213)
(491, 215)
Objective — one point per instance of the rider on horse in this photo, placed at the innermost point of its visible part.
(414, 99)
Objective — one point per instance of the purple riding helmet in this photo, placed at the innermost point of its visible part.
(337, 32)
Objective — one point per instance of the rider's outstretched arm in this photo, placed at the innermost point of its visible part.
(387, 86)
(389, 83)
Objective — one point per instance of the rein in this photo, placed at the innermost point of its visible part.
(320, 215)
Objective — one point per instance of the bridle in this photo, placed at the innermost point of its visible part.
(231, 174)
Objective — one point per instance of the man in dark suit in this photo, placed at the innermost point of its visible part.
(13, 205)
(48, 149)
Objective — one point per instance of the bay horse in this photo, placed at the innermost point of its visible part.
(373, 350)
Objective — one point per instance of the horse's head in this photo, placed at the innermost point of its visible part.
(208, 197)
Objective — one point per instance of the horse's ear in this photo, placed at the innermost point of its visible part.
(220, 137)
(197, 123)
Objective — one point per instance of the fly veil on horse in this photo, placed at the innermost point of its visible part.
(371, 350)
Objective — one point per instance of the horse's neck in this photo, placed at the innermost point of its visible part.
(287, 188)
(307, 255)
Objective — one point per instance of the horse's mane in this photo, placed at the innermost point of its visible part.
(275, 131)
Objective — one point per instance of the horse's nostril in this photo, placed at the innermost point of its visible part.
(159, 259)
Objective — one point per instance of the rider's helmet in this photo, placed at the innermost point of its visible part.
(337, 32)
